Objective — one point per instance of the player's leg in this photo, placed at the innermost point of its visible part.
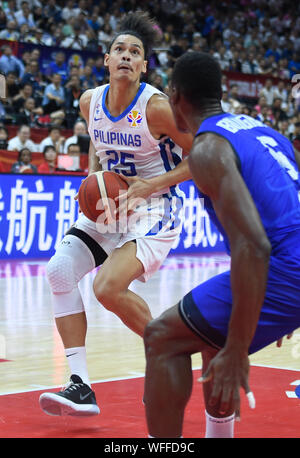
(64, 272)
(170, 341)
(111, 287)
(169, 344)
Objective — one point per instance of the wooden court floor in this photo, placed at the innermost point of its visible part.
(30, 347)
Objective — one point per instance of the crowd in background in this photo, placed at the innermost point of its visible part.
(258, 37)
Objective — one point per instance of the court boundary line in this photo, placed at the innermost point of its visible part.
(116, 379)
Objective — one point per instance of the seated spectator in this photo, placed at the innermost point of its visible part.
(59, 67)
(54, 99)
(73, 94)
(268, 91)
(22, 140)
(99, 70)
(10, 33)
(76, 41)
(10, 9)
(50, 160)
(88, 79)
(54, 139)
(24, 16)
(278, 112)
(294, 64)
(30, 114)
(12, 86)
(73, 149)
(280, 91)
(225, 103)
(23, 165)
(3, 138)
(79, 129)
(34, 77)
(18, 100)
(283, 128)
(10, 63)
(234, 99)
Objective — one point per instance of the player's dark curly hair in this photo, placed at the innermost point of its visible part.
(198, 76)
(140, 25)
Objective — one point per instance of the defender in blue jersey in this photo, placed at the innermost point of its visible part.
(249, 178)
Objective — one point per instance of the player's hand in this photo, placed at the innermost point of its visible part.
(228, 371)
(76, 196)
(280, 341)
(139, 190)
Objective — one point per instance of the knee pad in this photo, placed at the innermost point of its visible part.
(60, 273)
(66, 296)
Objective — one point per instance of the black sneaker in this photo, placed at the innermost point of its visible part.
(75, 399)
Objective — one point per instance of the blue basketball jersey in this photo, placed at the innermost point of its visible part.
(267, 164)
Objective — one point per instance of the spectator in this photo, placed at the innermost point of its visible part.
(268, 91)
(88, 79)
(10, 10)
(105, 36)
(296, 133)
(10, 33)
(99, 70)
(73, 94)
(54, 139)
(34, 77)
(30, 114)
(280, 91)
(22, 140)
(24, 16)
(74, 149)
(225, 103)
(50, 160)
(54, 99)
(18, 100)
(76, 41)
(10, 63)
(68, 10)
(234, 98)
(12, 86)
(79, 129)
(283, 128)
(59, 66)
(23, 165)
(278, 113)
(294, 64)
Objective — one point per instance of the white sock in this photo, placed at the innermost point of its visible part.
(219, 427)
(76, 357)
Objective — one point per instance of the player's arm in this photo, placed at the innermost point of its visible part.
(214, 170)
(161, 123)
(84, 104)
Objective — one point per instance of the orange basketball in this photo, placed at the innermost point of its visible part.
(98, 192)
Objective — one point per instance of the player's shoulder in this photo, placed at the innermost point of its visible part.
(210, 148)
(86, 96)
(158, 106)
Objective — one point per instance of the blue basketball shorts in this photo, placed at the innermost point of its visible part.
(207, 308)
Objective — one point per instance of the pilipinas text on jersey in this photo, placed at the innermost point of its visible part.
(124, 143)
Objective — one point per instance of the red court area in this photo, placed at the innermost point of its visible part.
(277, 414)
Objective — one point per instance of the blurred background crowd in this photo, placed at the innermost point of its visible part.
(250, 37)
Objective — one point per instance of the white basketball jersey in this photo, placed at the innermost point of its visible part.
(124, 143)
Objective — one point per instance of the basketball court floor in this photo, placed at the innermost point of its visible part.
(32, 360)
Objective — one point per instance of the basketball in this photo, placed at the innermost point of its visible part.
(98, 191)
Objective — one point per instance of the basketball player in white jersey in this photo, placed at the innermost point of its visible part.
(133, 133)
